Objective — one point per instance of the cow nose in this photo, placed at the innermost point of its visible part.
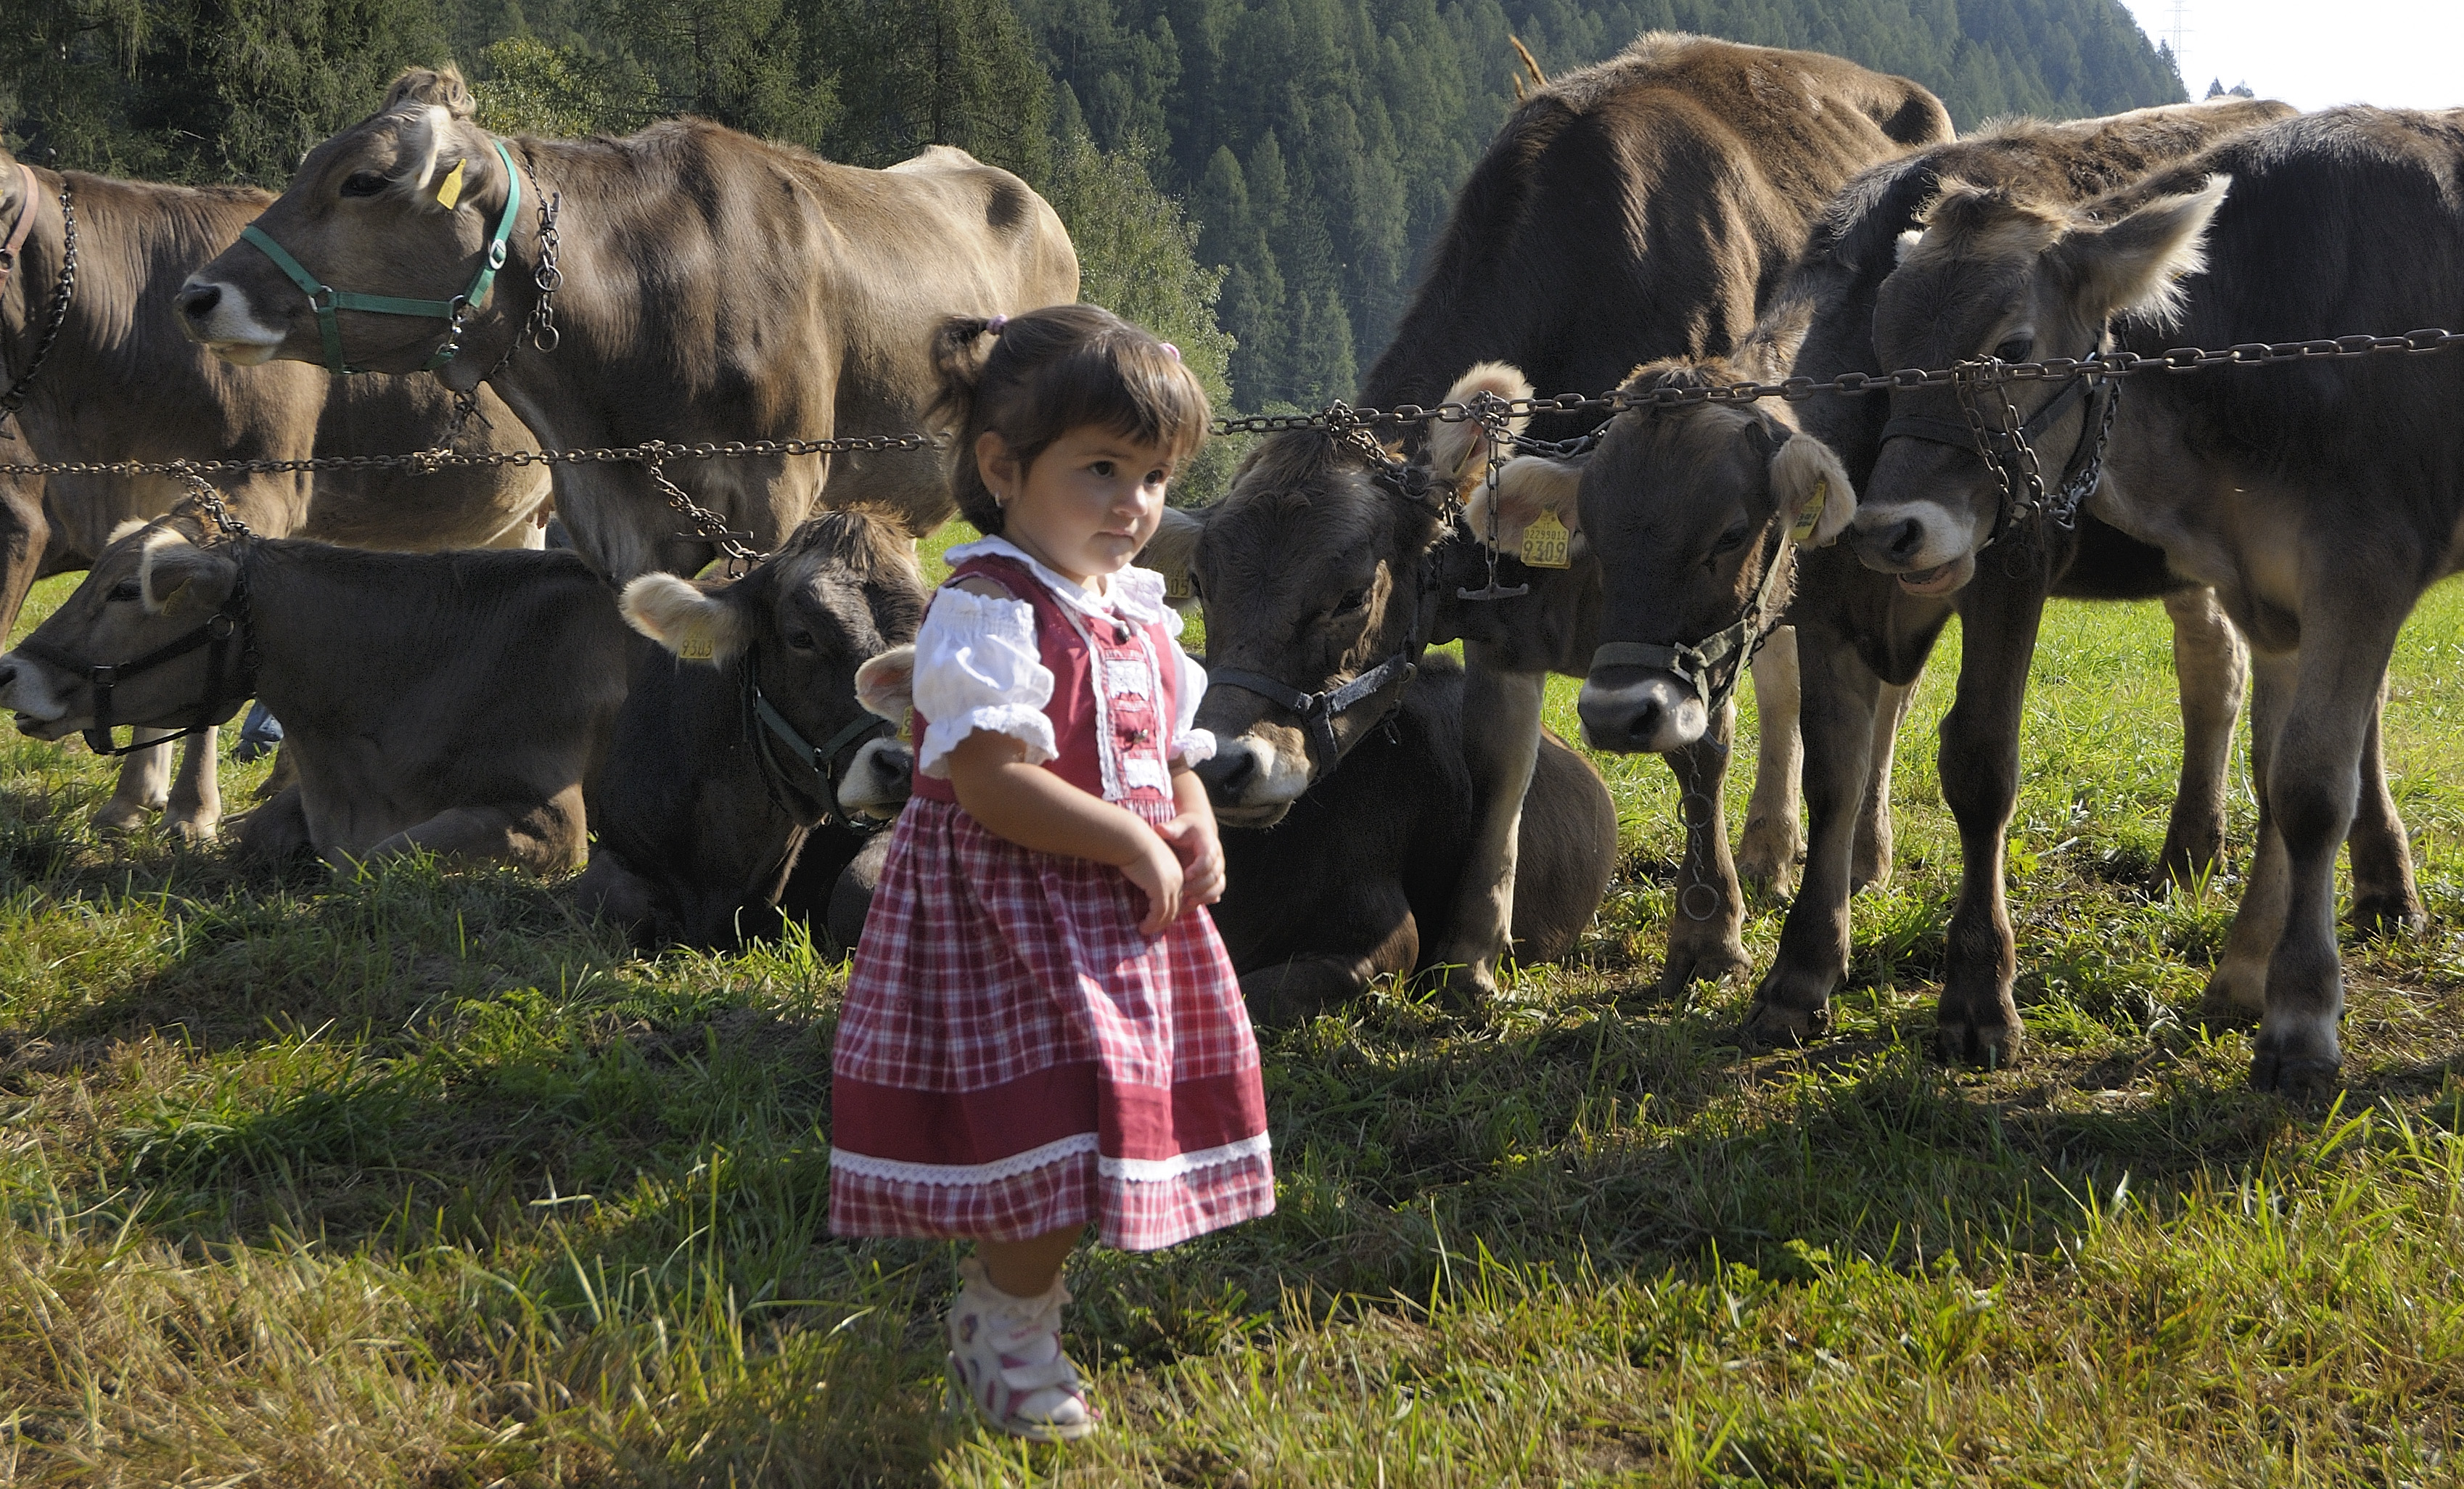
(1896, 544)
(1626, 728)
(1228, 774)
(197, 301)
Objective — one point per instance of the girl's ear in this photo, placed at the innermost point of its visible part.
(998, 466)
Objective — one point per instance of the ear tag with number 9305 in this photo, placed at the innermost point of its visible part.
(1803, 528)
(1544, 542)
(695, 648)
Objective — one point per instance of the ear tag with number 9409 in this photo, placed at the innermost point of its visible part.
(1544, 542)
(1803, 528)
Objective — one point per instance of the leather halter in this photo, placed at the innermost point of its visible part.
(762, 716)
(2010, 456)
(223, 633)
(326, 300)
(1714, 665)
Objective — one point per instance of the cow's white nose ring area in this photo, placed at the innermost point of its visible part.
(217, 316)
(26, 690)
(1252, 783)
(1636, 711)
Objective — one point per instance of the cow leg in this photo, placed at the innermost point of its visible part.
(2259, 921)
(545, 836)
(25, 532)
(1976, 1021)
(2385, 900)
(1501, 744)
(1708, 914)
(1306, 986)
(1869, 868)
(144, 786)
(1767, 856)
(279, 829)
(197, 804)
(2212, 666)
(2313, 788)
(1841, 693)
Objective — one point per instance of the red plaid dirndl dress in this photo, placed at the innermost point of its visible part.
(1014, 1058)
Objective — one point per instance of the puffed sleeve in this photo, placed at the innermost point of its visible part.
(1190, 744)
(978, 667)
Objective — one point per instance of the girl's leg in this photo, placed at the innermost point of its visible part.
(1005, 1339)
(1027, 1268)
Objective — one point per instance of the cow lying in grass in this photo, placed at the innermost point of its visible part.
(448, 702)
(712, 818)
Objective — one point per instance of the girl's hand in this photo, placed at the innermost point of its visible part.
(1194, 839)
(1158, 874)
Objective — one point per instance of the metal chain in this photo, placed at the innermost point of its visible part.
(2063, 511)
(733, 545)
(541, 327)
(209, 501)
(62, 295)
(633, 454)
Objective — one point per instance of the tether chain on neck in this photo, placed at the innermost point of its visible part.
(63, 292)
(540, 328)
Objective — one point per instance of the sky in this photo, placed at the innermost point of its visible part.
(2406, 53)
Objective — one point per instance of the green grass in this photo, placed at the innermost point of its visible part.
(412, 1179)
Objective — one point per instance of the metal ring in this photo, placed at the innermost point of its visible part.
(1687, 811)
(1686, 901)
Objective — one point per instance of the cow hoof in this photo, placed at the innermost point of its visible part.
(118, 818)
(2296, 1079)
(194, 831)
(1869, 866)
(1715, 962)
(1767, 861)
(2376, 915)
(1771, 1026)
(1463, 987)
(2241, 982)
(1766, 881)
(1993, 1044)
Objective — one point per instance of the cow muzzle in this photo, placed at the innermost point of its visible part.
(217, 316)
(1254, 779)
(1639, 710)
(29, 690)
(877, 780)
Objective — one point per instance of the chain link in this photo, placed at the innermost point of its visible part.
(541, 327)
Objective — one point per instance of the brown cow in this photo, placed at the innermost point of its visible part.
(411, 726)
(1633, 210)
(715, 288)
(2320, 500)
(122, 383)
(1691, 509)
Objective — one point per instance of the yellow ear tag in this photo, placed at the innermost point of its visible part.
(1176, 587)
(449, 190)
(695, 648)
(1813, 513)
(1544, 542)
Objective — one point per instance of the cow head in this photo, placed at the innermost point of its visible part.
(1310, 571)
(153, 585)
(1687, 508)
(1992, 275)
(842, 592)
(402, 204)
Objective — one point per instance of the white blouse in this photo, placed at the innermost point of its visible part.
(977, 664)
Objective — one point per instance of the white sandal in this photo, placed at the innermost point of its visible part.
(1005, 1359)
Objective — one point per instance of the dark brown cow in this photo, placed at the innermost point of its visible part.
(1633, 210)
(706, 807)
(2320, 500)
(1690, 508)
(452, 703)
(121, 383)
(715, 288)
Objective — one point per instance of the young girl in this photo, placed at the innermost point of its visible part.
(1041, 1031)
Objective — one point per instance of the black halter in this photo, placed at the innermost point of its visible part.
(1717, 663)
(224, 635)
(2005, 444)
(764, 723)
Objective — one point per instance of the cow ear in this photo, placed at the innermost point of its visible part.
(1170, 551)
(1526, 486)
(439, 87)
(2135, 267)
(1812, 487)
(886, 684)
(1458, 452)
(690, 621)
(178, 580)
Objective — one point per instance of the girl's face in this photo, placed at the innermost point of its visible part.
(1089, 503)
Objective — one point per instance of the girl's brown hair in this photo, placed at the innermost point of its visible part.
(1048, 372)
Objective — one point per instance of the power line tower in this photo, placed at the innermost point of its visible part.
(2177, 15)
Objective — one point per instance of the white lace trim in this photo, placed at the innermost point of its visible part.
(1134, 1171)
(1031, 727)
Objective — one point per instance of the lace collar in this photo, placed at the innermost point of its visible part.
(1134, 594)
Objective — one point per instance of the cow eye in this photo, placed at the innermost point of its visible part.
(2015, 349)
(802, 641)
(1352, 600)
(1729, 541)
(364, 183)
(126, 589)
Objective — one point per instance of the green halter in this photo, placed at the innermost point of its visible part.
(326, 300)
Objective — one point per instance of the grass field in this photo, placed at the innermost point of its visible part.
(412, 1179)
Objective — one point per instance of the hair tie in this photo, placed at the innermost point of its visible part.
(1171, 351)
(993, 327)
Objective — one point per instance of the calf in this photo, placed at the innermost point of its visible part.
(452, 703)
(2320, 500)
(742, 764)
